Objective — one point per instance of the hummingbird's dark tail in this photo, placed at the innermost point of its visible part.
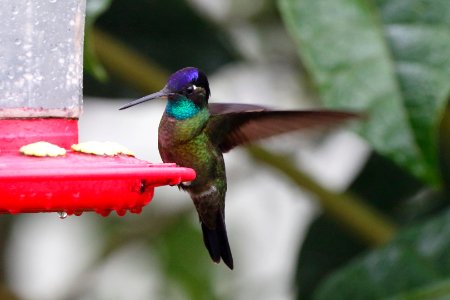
(216, 241)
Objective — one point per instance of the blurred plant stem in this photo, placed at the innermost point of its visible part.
(444, 146)
(6, 293)
(363, 221)
(126, 64)
(359, 219)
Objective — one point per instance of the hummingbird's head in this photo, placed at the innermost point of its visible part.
(188, 83)
(191, 83)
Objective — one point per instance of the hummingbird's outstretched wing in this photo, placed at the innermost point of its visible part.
(231, 125)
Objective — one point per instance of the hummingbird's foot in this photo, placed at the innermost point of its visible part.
(185, 184)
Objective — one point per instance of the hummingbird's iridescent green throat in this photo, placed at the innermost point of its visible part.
(194, 133)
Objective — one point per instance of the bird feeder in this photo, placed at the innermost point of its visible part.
(41, 47)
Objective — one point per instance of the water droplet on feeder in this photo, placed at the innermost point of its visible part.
(62, 214)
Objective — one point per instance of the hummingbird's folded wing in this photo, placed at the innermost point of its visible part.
(231, 125)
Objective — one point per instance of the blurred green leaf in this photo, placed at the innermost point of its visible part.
(388, 58)
(185, 260)
(94, 9)
(417, 257)
(169, 32)
(328, 246)
(434, 291)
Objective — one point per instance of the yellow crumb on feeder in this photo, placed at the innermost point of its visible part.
(42, 149)
(101, 148)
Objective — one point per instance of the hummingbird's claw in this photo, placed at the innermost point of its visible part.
(186, 183)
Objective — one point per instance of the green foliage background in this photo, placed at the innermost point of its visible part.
(388, 236)
(388, 59)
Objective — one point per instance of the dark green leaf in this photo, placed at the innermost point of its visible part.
(388, 58)
(418, 256)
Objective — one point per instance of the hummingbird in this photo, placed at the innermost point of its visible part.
(194, 133)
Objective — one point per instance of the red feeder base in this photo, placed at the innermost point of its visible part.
(77, 182)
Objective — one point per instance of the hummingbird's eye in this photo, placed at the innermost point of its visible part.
(190, 89)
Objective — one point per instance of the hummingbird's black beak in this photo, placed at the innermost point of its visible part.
(162, 94)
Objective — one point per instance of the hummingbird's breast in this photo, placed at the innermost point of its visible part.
(186, 143)
(173, 131)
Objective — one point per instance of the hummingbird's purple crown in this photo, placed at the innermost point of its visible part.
(186, 76)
